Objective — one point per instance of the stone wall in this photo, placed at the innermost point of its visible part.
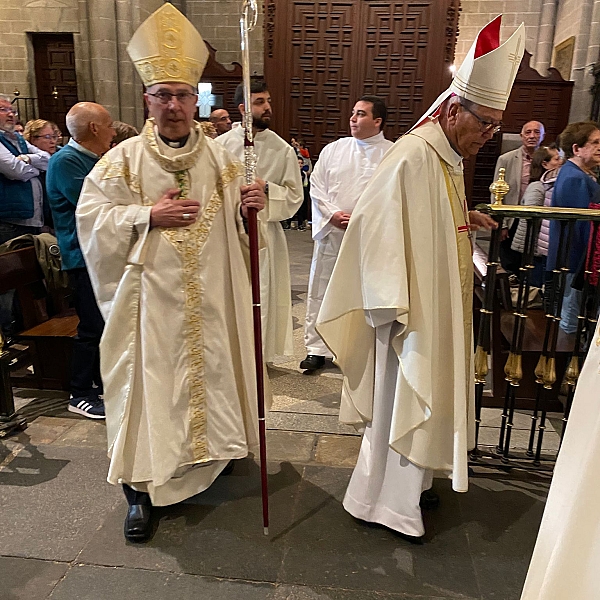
(547, 23)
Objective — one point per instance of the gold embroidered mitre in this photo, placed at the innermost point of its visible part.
(166, 48)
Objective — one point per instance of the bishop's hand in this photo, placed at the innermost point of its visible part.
(479, 220)
(253, 196)
(169, 211)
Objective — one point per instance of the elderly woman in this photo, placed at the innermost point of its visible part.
(42, 134)
(545, 166)
(575, 187)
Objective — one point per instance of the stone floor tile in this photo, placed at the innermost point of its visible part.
(501, 516)
(29, 579)
(85, 433)
(308, 423)
(45, 430)
(85, 582)
(327, 547)
(53, 499)
(337, 450)
(216, 533)
(291, 446)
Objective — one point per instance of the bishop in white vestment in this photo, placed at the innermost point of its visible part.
(397, 311)
(565, 560)
(277, 167)
(161, 226)
(338, 179)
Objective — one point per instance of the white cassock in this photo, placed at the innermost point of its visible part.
(177, 352)
(339, 178)
(277, 165)
(397, 317)
(566, 558)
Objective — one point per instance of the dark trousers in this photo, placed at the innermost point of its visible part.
(85, 366)
(135, 497)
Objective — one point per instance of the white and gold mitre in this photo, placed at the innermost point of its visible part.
(167, 48)
(488, 72)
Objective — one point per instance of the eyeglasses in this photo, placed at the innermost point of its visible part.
(5, 110)
(48, 136)
(485, 126)
(166, 97)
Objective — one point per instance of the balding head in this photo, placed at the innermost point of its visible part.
(532, 135)
(221, 120)
(90, 125)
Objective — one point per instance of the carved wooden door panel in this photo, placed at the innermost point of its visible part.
(321, 56)
(56, 83)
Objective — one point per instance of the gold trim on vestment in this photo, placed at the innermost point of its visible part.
(188, 242)
(182, 162)
(117, 170)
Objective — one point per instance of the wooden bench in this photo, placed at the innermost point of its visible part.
(501, 333)
(46, 340)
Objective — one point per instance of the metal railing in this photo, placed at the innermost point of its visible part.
(547, 382)
(26, 107)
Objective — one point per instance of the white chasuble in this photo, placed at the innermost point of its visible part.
(278, 165)
(402, 262)
(338, 179)
(566, 556)
(177, 353)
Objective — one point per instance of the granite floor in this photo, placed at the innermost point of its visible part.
(61, 523)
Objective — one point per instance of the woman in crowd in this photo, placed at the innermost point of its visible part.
(42, 134)
(575, 187)
(545, 166)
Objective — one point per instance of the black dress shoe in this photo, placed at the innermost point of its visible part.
(313, 362)
(228, 470)
(137, 523)
(429, 500)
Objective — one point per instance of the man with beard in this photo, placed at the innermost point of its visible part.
(277, 170)
(161, 227)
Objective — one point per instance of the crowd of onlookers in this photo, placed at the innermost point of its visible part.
(565, 173)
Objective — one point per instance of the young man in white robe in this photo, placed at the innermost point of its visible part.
(277, 170)
(397, 311)
(566, 556)
(161, 227)
(338, 179)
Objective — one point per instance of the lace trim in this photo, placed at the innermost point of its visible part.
(189, 241)
(183, 162)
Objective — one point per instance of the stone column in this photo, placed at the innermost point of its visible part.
(102, 20)
(545, 43)
(581, 75)
(593, 55)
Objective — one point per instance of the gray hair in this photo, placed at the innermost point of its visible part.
(6, 98)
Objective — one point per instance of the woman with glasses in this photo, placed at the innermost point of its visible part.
(42, 134)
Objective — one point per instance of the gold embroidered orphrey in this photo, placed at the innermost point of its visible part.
(188, 242)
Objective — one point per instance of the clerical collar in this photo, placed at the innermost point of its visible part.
(180, 143)
(373, 139)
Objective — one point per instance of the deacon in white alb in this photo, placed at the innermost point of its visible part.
(339, 178)
(567, 552)
(160, 223)
(397, 311)
(277, 170)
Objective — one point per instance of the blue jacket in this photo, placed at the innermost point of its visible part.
(16, 197)
(573, 189)
(66, 172)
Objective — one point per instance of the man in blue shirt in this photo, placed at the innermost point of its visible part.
(92, 132)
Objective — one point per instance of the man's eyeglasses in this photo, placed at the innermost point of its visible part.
(485, 126)
(48, 136)
(166, 97)
(6, 110)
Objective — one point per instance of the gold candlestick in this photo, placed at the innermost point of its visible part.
(499, 188)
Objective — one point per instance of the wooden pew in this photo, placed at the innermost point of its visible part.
(48, 337)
